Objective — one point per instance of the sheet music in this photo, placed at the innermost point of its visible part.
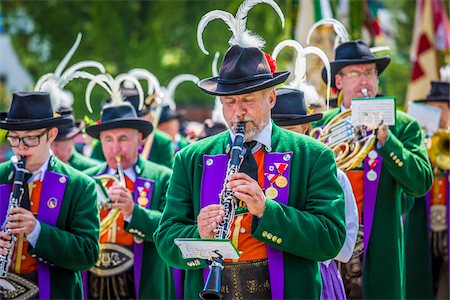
(206, 248)
(427, 116)
(370, 112)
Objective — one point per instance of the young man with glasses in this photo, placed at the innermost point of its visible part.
(58, 208)
(400, 164)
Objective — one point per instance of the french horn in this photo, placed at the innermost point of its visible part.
(438, 149)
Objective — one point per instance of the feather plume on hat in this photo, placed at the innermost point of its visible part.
(113, 86)
(237, 24)
(153, 85)
(299, 82)
(217, 114)
(338, 27)
(54, 83)
(168, 92)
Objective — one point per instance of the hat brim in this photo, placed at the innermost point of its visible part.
(434, 100)
(213, 87)
(336, 66)
(288, 119)
(79, 125)
(32, 124)
(142, 126)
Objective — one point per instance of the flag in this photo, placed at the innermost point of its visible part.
(431, 33)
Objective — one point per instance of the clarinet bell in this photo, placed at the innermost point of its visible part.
(212, 285)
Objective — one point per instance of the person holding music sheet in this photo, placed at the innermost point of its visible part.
(138, 198)
(398, 163)
(290, 207)
(57, 225)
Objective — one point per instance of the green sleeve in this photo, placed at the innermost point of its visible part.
(76, 246)
(178, 218)
(316, 232)
(407, 160)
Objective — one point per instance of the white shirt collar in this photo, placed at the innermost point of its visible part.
(343, 108)
(39, 173)
(262, 138)
(130, 173)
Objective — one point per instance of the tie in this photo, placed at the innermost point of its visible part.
(25, 202)
(249, 165)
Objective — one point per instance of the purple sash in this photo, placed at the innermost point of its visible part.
(370, 198)
(138, 248)
(178, 283)
(332, 285)
(447, 186)
(53, 187)
(213, 177)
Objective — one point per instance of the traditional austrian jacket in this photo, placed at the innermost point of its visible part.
(303, 225)
(153, 279)
(404, 168)
(68, 241)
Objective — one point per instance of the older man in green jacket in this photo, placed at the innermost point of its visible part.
(398, 163)
(290, 205)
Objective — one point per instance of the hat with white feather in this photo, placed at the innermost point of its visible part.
(349, 52)
(62, 99)
(293, 101)
(168, 104)
(245, 68)
(118, 113)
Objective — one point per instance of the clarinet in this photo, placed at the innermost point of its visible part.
(14, 201)
(211, 289)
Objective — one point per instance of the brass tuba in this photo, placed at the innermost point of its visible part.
(438, 149)
(112, 216)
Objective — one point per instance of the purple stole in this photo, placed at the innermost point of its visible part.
(370, 197)
(53, 187)
(213, 177)
(332, 286)
(138, 247)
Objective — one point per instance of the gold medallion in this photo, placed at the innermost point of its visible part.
(142, 200)
(281, 181)
(271, 192)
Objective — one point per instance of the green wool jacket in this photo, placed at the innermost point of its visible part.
(161, 153)
(384, 267)
(156, 280)
(311, 227)
(71, 246)
(81, 162)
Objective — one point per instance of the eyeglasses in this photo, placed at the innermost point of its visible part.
(355, 75)
(29, 141)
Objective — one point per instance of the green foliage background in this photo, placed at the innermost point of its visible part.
(161, 36)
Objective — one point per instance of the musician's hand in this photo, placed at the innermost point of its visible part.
(21, 220)
(5, 239)
(248, 190)
(208, 218)
(382, 134)
(121, 199)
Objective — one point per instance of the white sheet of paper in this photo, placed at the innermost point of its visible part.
(371, 111)
(427, 116)
(206, 248)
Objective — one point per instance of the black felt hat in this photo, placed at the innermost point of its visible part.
(30, 111)
(354, 53)
(290, 108)
(119, 116)
(243, 71)
(440, 92)
(168, 114)
(66, 132)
